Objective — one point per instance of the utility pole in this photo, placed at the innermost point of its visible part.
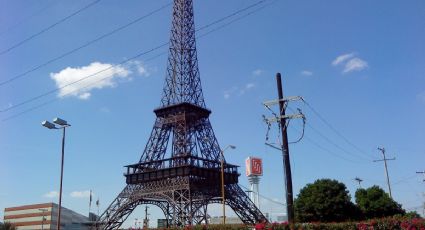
(386, 168)
(146, 220)
(423, 210)
(282, 120)
(285, 152)
(359, 181)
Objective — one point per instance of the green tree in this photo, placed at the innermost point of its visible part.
(7, 226)
(412, 214)
(325, 200)
(375, 202)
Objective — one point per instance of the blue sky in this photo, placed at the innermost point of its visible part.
(359, 64)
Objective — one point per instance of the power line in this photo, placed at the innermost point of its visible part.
(404, 179)
(332, 142)
(320, 147)
(129, 24)
(126, 61)
(84, 78)
(48, 27)
(85, 45)
(20, 22)
(138, 55)
(264, 197)
(330, 152)
(335, 130)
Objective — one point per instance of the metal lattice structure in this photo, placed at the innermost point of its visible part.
(185, 179)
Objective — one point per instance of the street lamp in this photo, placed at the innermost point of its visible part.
(61, 124)
(222, 180)
(42, 220)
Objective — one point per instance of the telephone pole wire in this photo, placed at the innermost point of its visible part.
(386, 168)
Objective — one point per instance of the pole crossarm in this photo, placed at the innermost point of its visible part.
(291, 116)
(286, 99)
(423, 173)
(387, 159)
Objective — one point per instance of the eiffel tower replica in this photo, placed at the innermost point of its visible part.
(185, 179)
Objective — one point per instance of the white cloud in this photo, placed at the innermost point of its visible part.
(249, 86)
(306, 73)
(350, 62)
(355, 64)
(257, 72)
(228, 93)
(238, 90)
(340, 59)
(140, 68)
(80, 81)
(81, 194)
(51, 194)
(421, 96)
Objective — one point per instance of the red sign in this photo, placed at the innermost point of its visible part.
(254, 166)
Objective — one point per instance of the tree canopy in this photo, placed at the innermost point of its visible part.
(325, 200)
(375, 202)
(7, 226)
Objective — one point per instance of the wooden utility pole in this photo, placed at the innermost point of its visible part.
(386, 168)
(282, 119)
(285, 152)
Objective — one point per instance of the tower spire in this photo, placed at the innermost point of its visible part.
(182, 82)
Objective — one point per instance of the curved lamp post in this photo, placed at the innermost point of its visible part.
(222, 180)
(59, 124)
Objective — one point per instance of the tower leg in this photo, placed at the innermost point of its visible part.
(242, 205)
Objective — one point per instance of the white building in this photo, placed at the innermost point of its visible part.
(44, 216)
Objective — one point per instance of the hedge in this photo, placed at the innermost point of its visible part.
(392, 223)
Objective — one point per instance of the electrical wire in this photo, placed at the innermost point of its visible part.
(332, 142)
(264, 197)
(327, 150)
(303, 131)
(334, 129)
(330, 152)
(48, 27)
(404, 179)
(128, 60)
(20, 22)
(56, 99)
(308, 139)
(71, 92)
(140, 54)
(84, 45)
